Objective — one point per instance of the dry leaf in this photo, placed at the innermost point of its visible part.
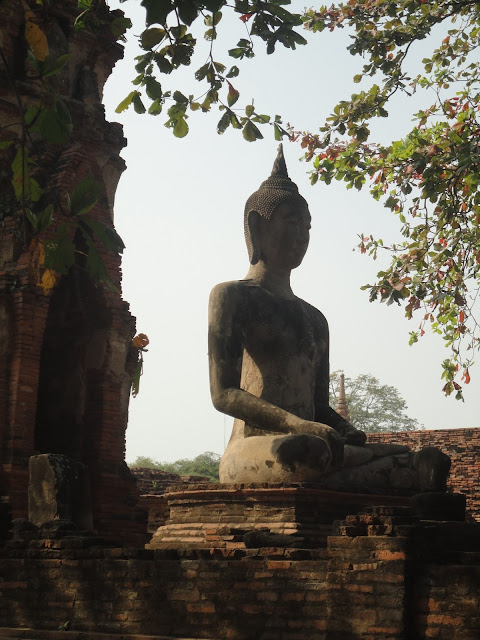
(48, 281)
(36, 38)
(140, 341)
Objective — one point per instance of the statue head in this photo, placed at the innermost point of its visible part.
(275, 191)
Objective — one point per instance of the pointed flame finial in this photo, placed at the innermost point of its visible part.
(280, 166)
(342, 406)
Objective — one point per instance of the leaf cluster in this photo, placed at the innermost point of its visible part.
(206, 464)
(430, 177)
(54, 247)
(172, 37)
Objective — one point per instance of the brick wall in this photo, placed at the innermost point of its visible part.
(39, 361)
(383, 576)
(463, 447)
(155, 481)
(235, 594)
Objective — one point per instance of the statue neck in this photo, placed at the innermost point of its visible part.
(275, 280)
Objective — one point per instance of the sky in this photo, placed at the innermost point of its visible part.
(179, 209)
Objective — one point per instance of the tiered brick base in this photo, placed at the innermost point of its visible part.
(218, 516)
(385, 575)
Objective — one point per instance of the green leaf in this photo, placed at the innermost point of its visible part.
(143, 62)
(251, 132)
(249, 110)
(95, 265)
(237, 52)
(157, 10)
(361, 134)
(224, 123)
(138, 104)
(210, 34)
(180, 129)
(51, 67)
(153, 88)
(55, 125)
(85, 196)
(24, 185)
(233, 73)
(136, 377)
(126, 102)
(5, 144)
(179, 97)
(151, 37)
(201, 73)
(164, 65)
(32, 218)
(155, 108)
(219, 67)
(279, 132)
(60, 252)
(187, 10)
(232, 95)
(105, 233)
(119, 27)
(43, 220)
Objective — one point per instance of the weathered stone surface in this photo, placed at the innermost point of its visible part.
(219, 516)
(59, 489)
(269, 368)
(433, 505)
(463, 447)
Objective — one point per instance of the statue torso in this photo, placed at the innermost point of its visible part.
(285, 343)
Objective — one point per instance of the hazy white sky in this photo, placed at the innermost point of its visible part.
(179, 210)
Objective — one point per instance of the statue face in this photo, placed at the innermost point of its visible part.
(284, 238)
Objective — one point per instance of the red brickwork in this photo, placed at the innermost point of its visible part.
(385, 576)
(155, 482)
(239, 595)
(46, 338)
(463, 447)
(218, 515)
(391, 576)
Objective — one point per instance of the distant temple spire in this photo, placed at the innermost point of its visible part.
(342, 406)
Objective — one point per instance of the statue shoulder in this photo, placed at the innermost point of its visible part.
(233, 288)
(315, 315)
(229, 294)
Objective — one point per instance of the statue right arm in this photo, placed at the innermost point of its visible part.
(228, 309)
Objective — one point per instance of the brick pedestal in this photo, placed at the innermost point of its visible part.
(219, 515)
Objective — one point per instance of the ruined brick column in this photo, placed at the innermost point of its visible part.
(66, 359)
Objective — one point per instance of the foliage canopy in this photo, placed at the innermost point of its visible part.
(429, 178)
(206, 464)
(373, 407)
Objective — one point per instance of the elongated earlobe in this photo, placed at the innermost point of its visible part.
(254, 249)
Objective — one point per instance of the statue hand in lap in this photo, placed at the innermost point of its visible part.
(332, 438)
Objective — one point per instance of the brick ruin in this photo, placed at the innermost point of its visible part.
(463, 447)
(379, 572)
(65, 356)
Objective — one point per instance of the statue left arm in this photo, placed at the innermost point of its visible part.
(323, 411)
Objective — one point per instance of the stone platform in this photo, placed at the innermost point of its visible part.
(219, 515)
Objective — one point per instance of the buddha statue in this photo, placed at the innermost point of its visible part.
(269, 369)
